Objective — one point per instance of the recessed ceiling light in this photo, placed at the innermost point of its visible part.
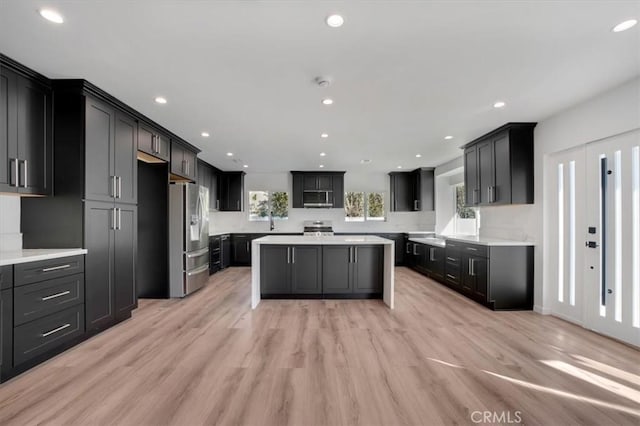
(399, 167)
(229, 154)
(51, 15)
(161, 100)
(366, 161)
(324, 135)
(623, 26)
(205, 134)
(335, 21)
(418, 155)
(327, 101)
(448, 137)
(322, 154)
(321, 166)
(245, 166)
(499, 104)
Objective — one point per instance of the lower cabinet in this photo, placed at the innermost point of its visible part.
(110, 239)
(435, 262)
(354, 270)
(474, 278)
(241, 249)
(290, 270)
(6, 332)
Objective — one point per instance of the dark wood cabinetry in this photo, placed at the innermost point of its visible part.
(208, 177)
(355, 270)
(220, 252)
(498, 167)
(183, 161)
(231, 191)
(241, 248)
(153, 142)
(435, 262)
(26, 131)
(290, 270)
(412, 191)
(6, 332)
(317, 189)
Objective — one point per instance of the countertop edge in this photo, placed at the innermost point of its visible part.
(35, 255)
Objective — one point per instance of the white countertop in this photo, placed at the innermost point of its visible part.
(213, 234)
(440, 242)
(487, 241)
(33, 255)
(333, 240)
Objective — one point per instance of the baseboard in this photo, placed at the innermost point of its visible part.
(541, 310)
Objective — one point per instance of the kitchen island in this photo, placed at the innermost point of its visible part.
(345, 266)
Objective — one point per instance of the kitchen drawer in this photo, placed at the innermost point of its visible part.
(452, 277)
(476, 250)
(6, 277)
(44, 334)
(32, 272)
(37, 300)
(452, 259)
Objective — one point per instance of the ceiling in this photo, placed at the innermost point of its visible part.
(405, 73)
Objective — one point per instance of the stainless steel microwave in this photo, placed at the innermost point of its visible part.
(317, 198)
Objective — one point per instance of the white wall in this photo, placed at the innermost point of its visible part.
(610, 113)
(448, 174)
(366, 182)
(10, 236)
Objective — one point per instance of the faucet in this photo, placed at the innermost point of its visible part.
(272, 226)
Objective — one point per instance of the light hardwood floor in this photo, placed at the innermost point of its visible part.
(436, 359)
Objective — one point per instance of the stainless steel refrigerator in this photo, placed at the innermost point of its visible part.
(188, 238)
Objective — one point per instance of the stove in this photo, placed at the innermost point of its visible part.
(318, 228)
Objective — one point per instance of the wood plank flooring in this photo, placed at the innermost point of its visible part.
(438, 358)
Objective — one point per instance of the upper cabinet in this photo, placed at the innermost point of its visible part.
(208, 177)
(498, 167)
(412, 191)
(231, 191)
(26, 160)
(318, 189)
(153, 145)
(183, 161)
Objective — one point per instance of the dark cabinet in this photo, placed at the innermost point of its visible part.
(6, 332)
(154, 143)
(317, 189)
(110, 156)
(399, 246)
(208, 177)
(435, 262)
(412, 191)
(225, 254)
(231, 191)
(475, 277)
(352, 269)
(452, 268)
(290, 270)
(183, 161)
(26, 133)
(215, 254)
(499, 166)
(241, 248)
(110, 238)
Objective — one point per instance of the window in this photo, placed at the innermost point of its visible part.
(466, 218)
(354, 206)
(265, 203)
(357, 204)
(375, 206)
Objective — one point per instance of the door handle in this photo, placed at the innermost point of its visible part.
(55, 330)
(113, 218)
(16, 172)
(293, 255)
(431, 250)
(119, 218)
(56, 268)
(119, 187)
(25, 173)
(355, 250)
(288, 255)
(415, 204)
(238, 204)
(415, 246)
(217, 204)
(113, 186)
(54, 296)
(408, 250)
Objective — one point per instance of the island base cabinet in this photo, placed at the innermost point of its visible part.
(290, 270)
(352, 271)
(367, 266)
(336, 270)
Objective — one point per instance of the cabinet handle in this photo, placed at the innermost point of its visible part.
(119, 218)
(238, 205)
(25, 173)
(217, 204)
(113, 218)
(415, 204)
(16, 173)
(355, 256)
(56, 268)
(55, 330)
(473, 267)
(408, 250)
(472, 249)
(451, 276)
(288, 254)
(119, 188)
(452, 259)
(415, 246)
(293, 255)
(53, 296)
(113, 186)
(431, 250)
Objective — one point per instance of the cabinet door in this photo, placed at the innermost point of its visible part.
(214, 196)
(126, 164)
(297, 190)
(241, 250)
(163, 146)
(325, 182)
(485, 171)
(438, 262)
(177, 160)
(125, 243)
(309, 182)
(34, 137)
(190, 161)
(98, 234)
(368, 264)
(6, 330)
(226, 252)
(235, 195)
(479, 272)
(467, 279)
(336, 269)
(471, 176)
(501, 191)
(100, 182)
(275, 271)
(8, 132)
(306, 269)
(146, 139)
(401, 192)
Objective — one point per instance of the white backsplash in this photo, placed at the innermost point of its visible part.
(10, 236)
